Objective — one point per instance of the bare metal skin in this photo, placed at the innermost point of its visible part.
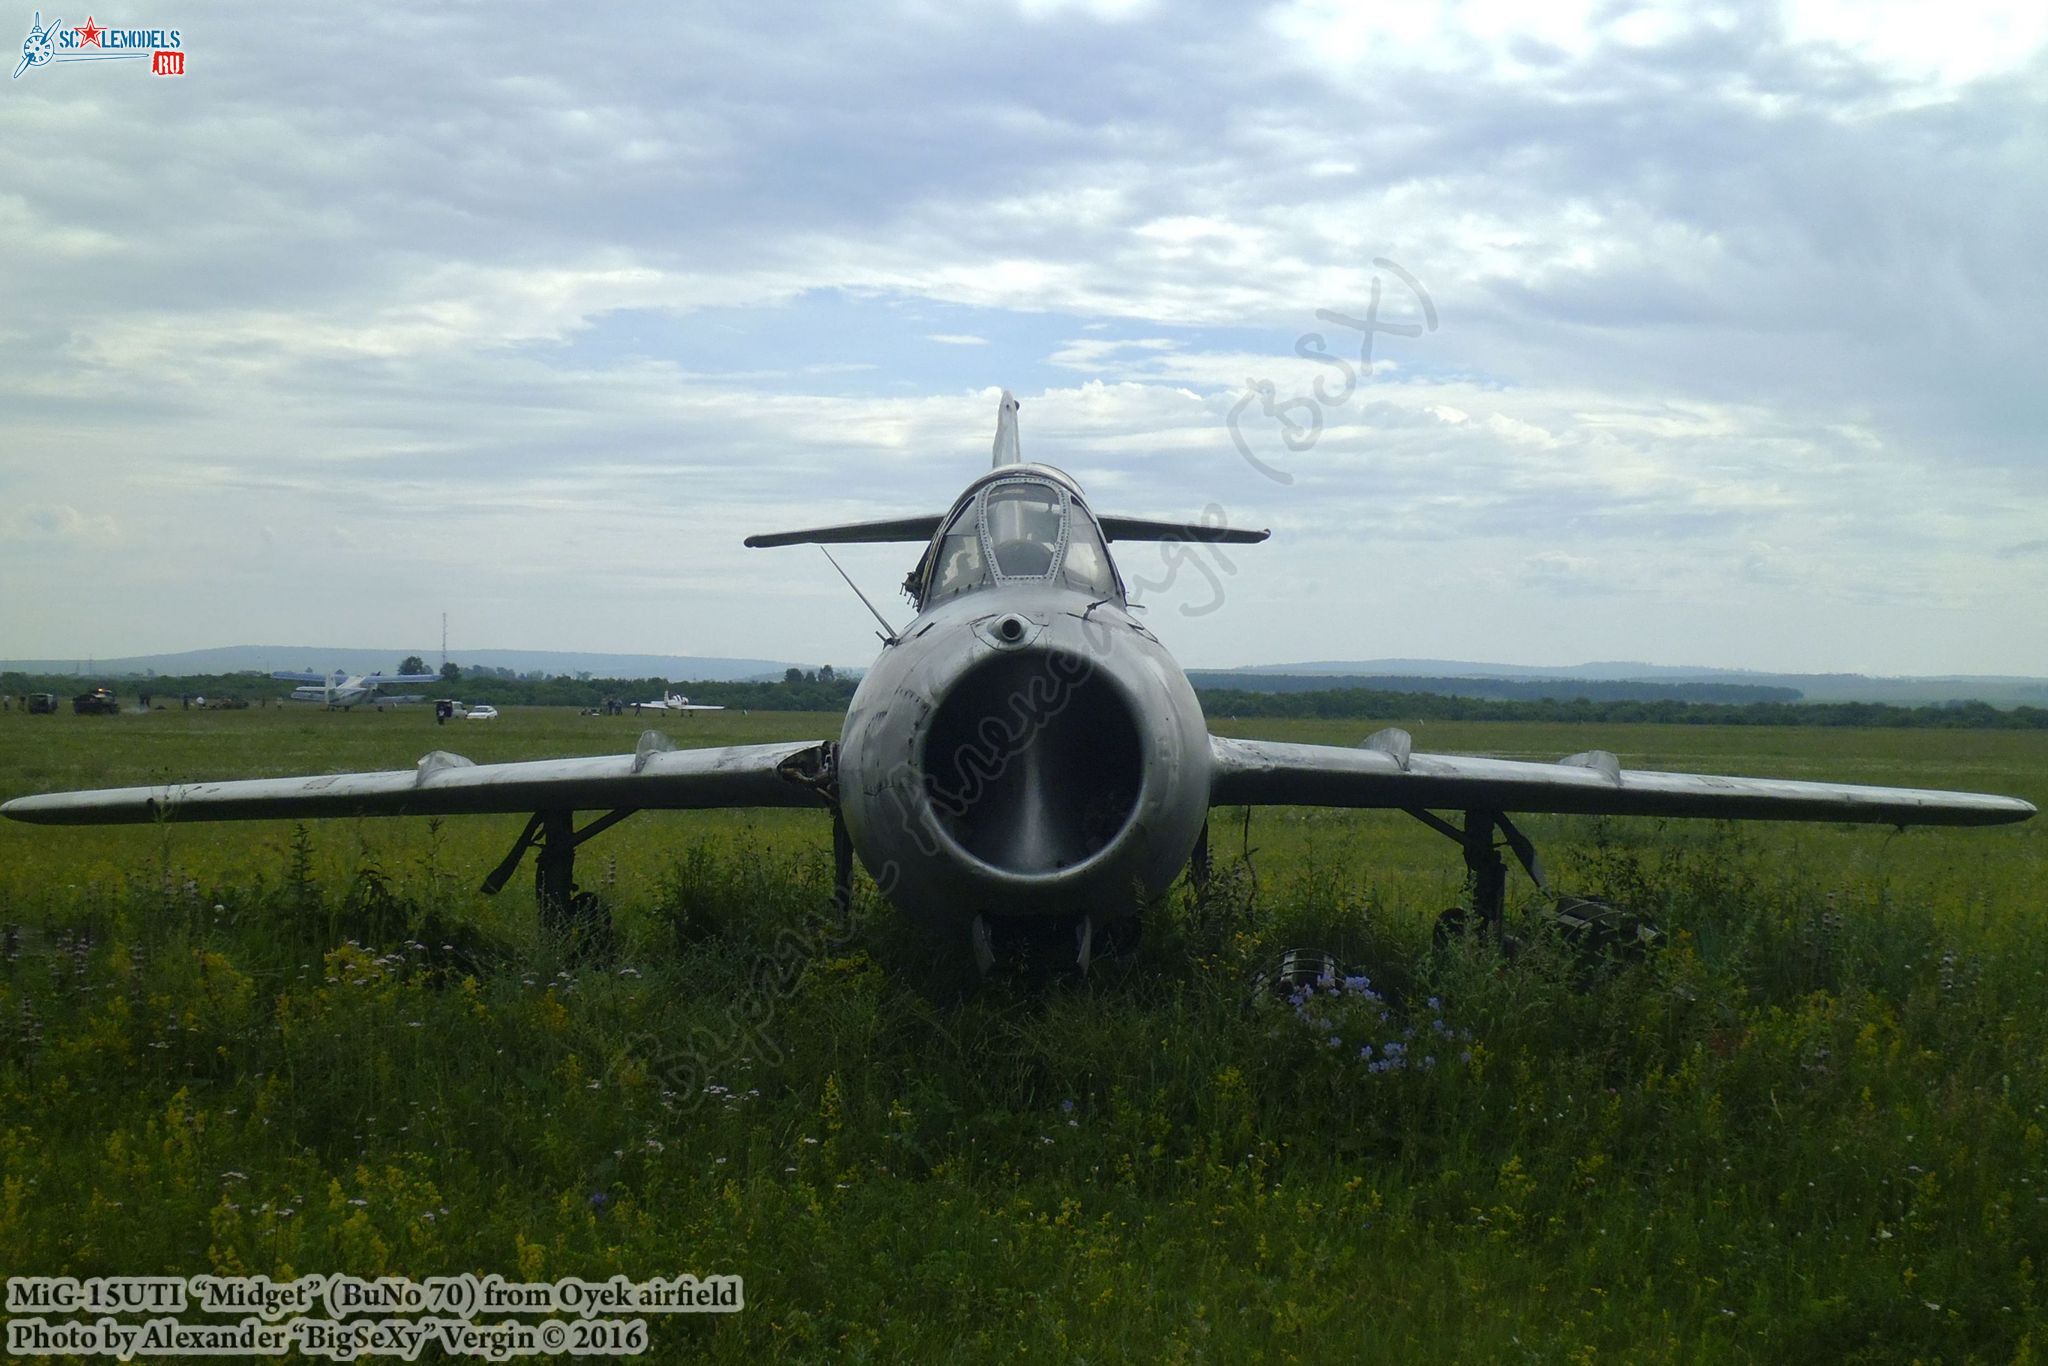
(1066, 769)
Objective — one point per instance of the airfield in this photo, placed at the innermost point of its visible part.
(1813, 1124)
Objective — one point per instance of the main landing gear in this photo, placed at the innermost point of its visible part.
(1591, 925)
(582, 918)
(1486, 872)
(565, 912)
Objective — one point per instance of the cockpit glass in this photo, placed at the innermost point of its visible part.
(960, 568)
(1021, 528)
(1087, 564)
(1026, 526)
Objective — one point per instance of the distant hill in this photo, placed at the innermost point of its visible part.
(2003, 690)
(1459, 668)
(323, 658)
(1501, 689)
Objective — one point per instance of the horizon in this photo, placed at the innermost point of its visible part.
(1389, 666)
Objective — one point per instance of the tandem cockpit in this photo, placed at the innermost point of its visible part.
(1021, 524)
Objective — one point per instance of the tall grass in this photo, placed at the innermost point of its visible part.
(1810, 1126)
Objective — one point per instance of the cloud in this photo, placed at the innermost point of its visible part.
(1726, 300)
(45, 523)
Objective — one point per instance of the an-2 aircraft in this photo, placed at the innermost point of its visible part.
(1024, 756)
(342, 690)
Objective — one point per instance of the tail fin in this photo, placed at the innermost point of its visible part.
(1007, 451)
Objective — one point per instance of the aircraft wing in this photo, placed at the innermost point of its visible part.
(854, 533)
(654, 778)
(287, 676)
(1385, 772)
(1142, 529)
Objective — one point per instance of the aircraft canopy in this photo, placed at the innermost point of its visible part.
(1020, 528)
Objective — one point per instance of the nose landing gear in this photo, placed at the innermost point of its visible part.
(1045, 945)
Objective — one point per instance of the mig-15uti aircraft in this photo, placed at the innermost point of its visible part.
(1024, 757)
(344, 690)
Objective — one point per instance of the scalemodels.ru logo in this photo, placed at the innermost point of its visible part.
(92, 42)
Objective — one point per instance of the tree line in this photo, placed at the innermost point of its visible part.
(1499, 689)
(798, 690)
(823, 690)
(1361, 703)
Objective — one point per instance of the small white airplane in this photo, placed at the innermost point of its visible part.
(344, 690)
(673, 701)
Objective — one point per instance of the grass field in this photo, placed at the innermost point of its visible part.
(1813, 1127)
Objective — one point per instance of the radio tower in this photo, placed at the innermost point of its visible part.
(444, 642)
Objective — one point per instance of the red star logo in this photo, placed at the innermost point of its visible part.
(89, 36)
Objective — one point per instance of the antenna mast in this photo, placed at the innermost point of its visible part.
(891, 635)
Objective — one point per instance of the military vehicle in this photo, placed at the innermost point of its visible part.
(98, 702)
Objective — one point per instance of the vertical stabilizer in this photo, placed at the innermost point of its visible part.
(1007, 450)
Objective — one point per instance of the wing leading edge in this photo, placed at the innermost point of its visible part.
(656, 777)
(1385, 773)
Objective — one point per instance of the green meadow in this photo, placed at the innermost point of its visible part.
(1812, 1125)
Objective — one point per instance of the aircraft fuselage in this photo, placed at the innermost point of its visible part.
(1024, 750)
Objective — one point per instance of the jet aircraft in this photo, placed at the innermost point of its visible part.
(340, 690)
(1025, 756)
(674, 702)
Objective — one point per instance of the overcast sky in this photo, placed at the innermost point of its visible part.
(528, 315)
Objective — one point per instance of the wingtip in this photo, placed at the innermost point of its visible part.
(27, 810)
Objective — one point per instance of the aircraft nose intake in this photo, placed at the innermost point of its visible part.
(1033, 762)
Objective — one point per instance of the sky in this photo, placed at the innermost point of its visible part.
(1681, 333)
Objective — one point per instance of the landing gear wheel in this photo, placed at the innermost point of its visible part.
(1455, 922)
(583, 927)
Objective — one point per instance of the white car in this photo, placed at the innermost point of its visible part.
(483, 714)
